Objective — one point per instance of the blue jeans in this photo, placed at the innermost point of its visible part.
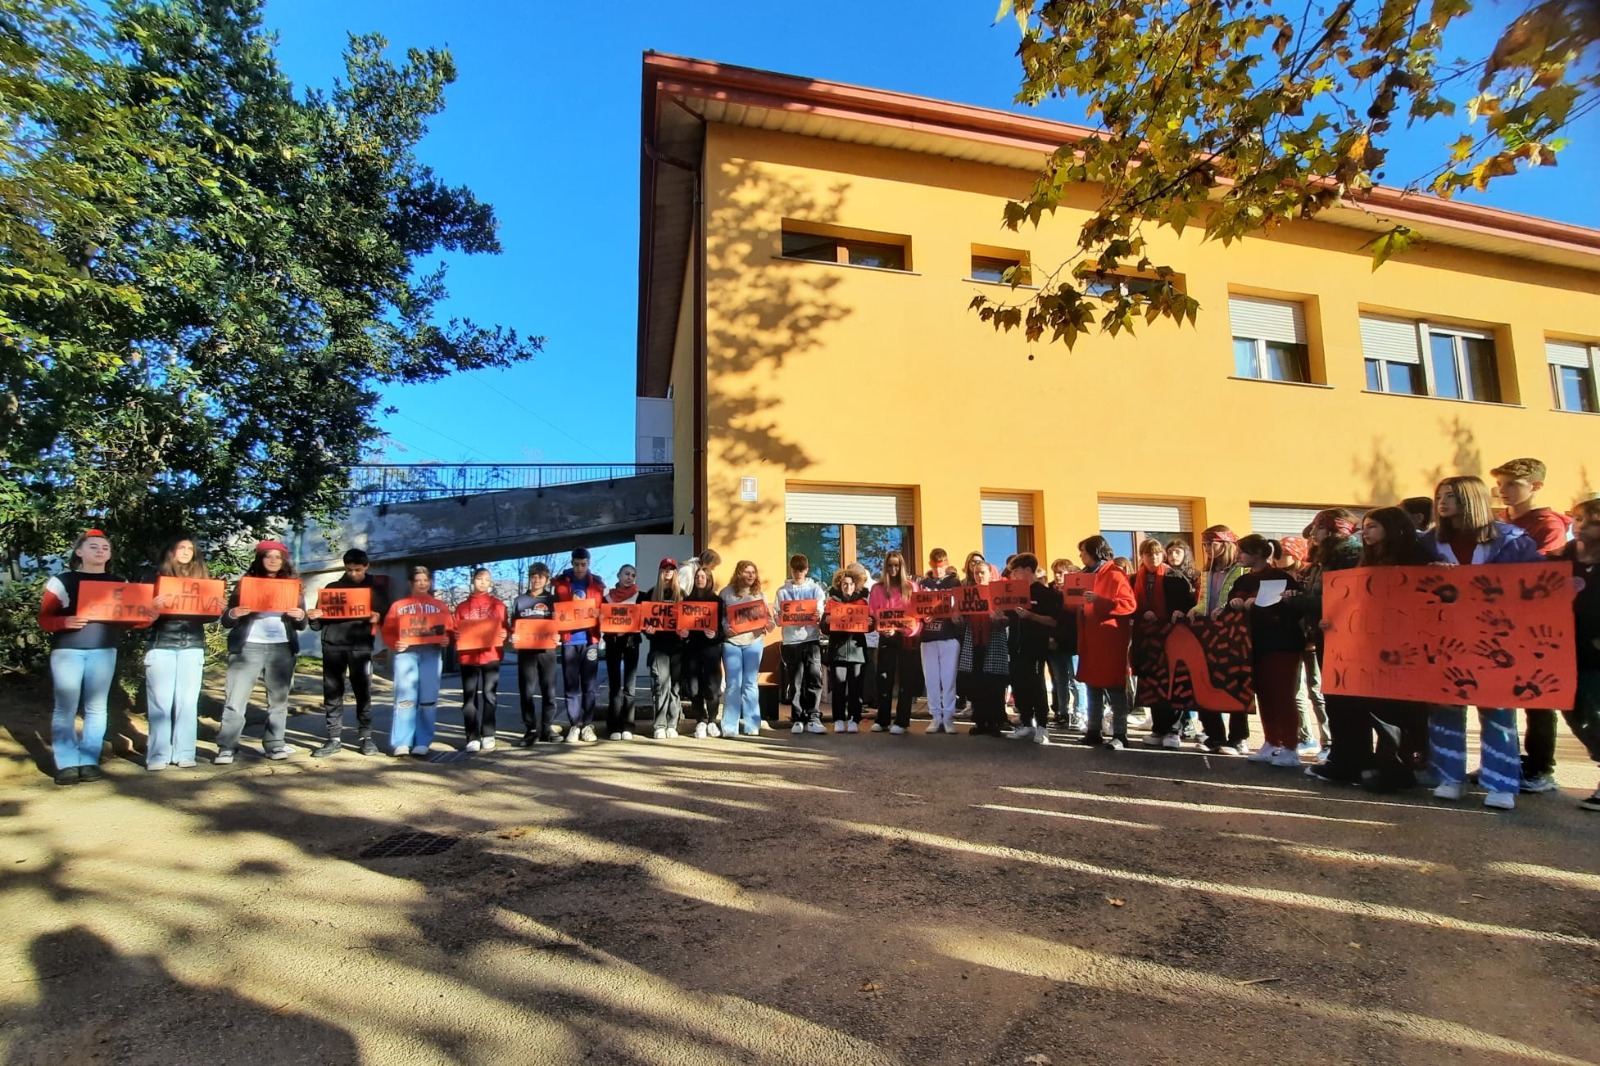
(172, 696)
(80, 676)
(1500, 758)
(1118, 698)
(742, 703)
(1069, 695)
(416, 696)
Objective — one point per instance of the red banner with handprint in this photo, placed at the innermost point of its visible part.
(1489, 636)
(1196, 664)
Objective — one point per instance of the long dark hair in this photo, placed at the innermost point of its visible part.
(1400, 546)
(258, 567)
(195, 567)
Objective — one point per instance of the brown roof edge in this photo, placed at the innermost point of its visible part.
(1046, 135)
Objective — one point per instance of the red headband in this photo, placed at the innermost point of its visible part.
(1226, 536)
(93, 533)
(1340, 527)
(1295, 547)
(264, 546)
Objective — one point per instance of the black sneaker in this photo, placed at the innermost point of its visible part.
(90, 773)
(69, 775)
(369, 746)
(332, 747)
(529, 739)
(1590, 804)
(1091, 740)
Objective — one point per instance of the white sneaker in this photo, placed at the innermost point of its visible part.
(1501, 801)
(659, 734)
(1243, 747)
(764, 726)
(571, 737)
(1171, 740)
(587, 735)
(1153, 741)
(838, 727)
(1286, 757)
(700, 731)
(488, 743)
(935, 726)
(713, 730)
(618, 736)
(798, 727)
(1541, 783)
(1022, 732)
(816, 727)
(672, 734)
(1265, 753)
(1448, 790)
(851, 727)
(402, 751)
(876, 728)
(1040, 736)
(627, 734)
(897, 729)
(473, 745)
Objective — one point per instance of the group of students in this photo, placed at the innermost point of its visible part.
(976, 659)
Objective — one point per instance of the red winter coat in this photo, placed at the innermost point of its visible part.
(1103, 630)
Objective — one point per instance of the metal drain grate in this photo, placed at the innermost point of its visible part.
(402, 845)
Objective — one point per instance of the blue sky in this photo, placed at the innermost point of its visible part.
(544, 124)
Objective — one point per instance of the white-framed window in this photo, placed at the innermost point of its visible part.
(1419, 358)
(1269, 339)
(1574, 367)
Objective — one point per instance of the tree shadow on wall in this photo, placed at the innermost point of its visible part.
(1380, 481)
(761, 313)
(1466, 460)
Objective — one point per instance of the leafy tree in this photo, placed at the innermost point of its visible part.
(205, 277)
(1237, 115)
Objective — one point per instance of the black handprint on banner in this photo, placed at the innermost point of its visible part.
(1498, 622)
(1464, 682)
(1449, 648)
(1545, 640)
(1398, 656)
(1496, 653)
(1537, 684)
(1543, 588)
(1489, 588)
(1439, 587)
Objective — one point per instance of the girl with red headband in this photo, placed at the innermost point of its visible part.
(83, 658)
(1276, 641)
(260, 643)
(1219, 557)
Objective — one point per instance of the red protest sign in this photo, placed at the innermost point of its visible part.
(1197, 664)
(1011, 594)
(852, 617)
(421, 627)
(749, 617)
(896, 620)
(479, 634)
(940, 604)
(577, 614)
(1490, 636)
(621, 617)
(344, 605)
(538, 634)
(269, 593)
(115, 601)
(697, 614)
(806, 612)
(1073, 586)
(659, 616)
(973, 599)
(198, 597)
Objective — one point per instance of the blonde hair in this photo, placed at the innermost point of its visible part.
(755, 586)
(1475, 505)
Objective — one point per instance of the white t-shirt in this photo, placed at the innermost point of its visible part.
(268, 629)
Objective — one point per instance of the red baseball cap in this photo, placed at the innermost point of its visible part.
(669, 563)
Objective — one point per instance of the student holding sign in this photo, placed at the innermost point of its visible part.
(1584, 555)
(485, 613)
(1030, 645)
(417, 627)
(622, 660)
(1468, 533)
(261, 643)
(898, 659)
(1159, 592)
(536, 666)
(702, 656)
(347, 636)
(742, 645)
(847, 654)
(984, 666)
(1219, 551)
(939, 645)
(802, 645)
(580, 649)
(665, 661)
(175, 662)
(83, 658)
(1276, 641)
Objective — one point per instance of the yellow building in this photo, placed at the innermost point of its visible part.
(807, 253)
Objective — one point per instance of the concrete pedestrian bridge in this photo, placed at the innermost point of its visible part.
(467, 513)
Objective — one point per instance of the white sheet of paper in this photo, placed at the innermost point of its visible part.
(1271, 592)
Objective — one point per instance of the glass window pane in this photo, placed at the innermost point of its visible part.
(1483, 378)
(1244, 358)
(874, 542)
(1121, 541)
(1374, 376)
(810, 246)
(999, 542)
(1405, 378)
(820, 545)
(987, 268)
(1442, 349)
(1286, 362)
(1574, 389)
(886, 256)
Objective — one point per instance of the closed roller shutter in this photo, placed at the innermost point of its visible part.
(1146, 516)
(1267, 320)
(1276, 521)
(1394, 339)
(848, 505)
(1007, 508)
(1567, 353)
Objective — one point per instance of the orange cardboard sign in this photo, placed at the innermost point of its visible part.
(479, 634)
(1011, 594)
(344, 605)
(852, 617)
(750, 617)
(697, 614)
(1073, 586)
(937, 604)
(621, 617)
(577, 614)
(896, 620)
(199, 597)
(423, 627)
(806, 612)
(973, 599)
(1490, 636)
(269, 593)
(115, 601)
(538, 634)
(659, 616)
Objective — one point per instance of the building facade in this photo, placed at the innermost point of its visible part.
(808, 251)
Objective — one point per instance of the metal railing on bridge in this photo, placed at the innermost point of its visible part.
(375, 484)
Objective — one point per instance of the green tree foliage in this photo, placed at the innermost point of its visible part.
(205, 276)
(1237, 115)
